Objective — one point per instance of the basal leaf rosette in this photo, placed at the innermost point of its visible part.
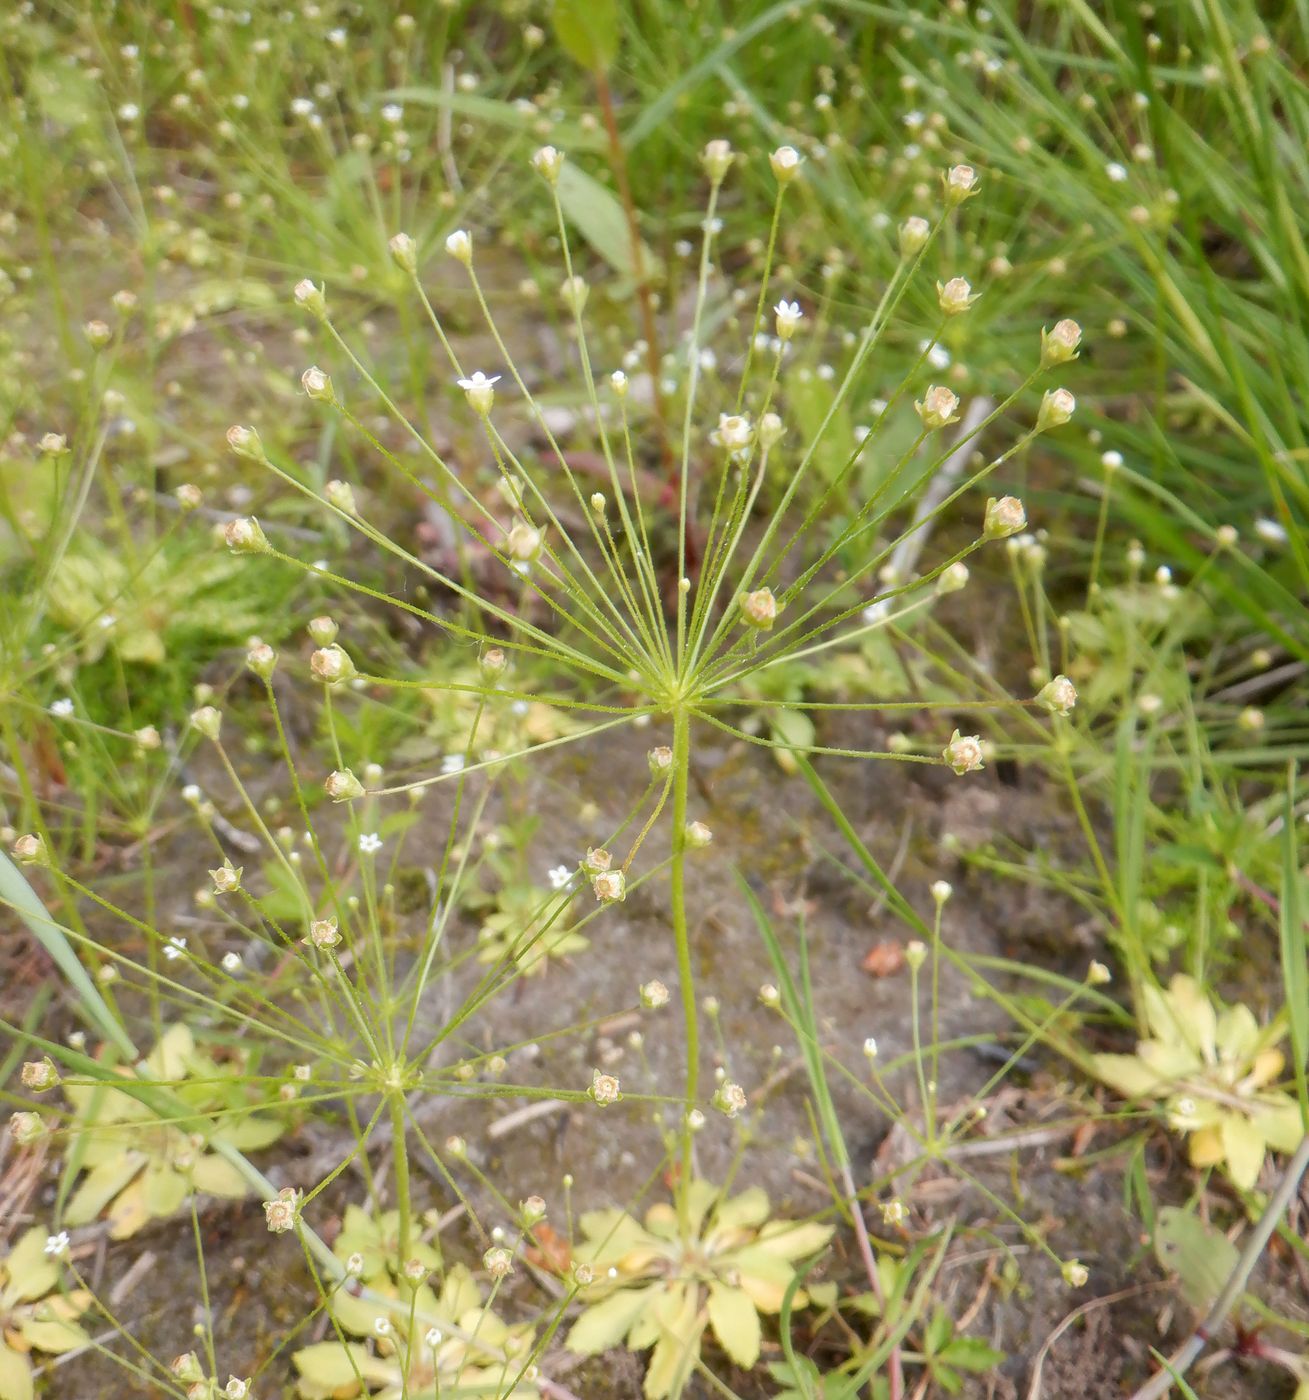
(35, 1315)
(142, 1168)
(421, 1340)
(656, 1289)
(1210, 1065)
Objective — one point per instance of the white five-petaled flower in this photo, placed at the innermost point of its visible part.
(480, 391)
(460, 246)
(62, 708)
(56, 1246)
(560, 877)
(370, 843)
(175, 948)
(734, 432)
(788, 318)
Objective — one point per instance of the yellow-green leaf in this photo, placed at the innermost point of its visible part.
(587, 31)
(736, 1323)
(15, 1375)
(604, 1324)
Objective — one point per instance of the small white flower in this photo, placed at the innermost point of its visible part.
(734, 432)
(232, 963)
(1117, 173)
(560, 877)
(452, 763)
(788, 318)
(370, 843)
(393, 114)
(62, 708)
(1270, 531)
(785, 161)
(460, 246)
(480, 391)
(175, 948)
(56, 1246)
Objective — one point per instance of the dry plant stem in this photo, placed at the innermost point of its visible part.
(896, 1377)
(649, 326)
(1182, 1359)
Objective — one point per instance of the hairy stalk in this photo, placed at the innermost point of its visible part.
(681, 936)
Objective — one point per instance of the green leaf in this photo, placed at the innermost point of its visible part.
(604, 1324)
(587, 31)
(736, 1324)
(15, 1375)
(1199, 1254)
(972, 1354)
(569, 136)
(597, 214)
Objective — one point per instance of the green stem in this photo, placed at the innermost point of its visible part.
(400, 1154)
(685, 976)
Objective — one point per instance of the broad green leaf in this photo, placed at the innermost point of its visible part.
(597, 214)
(15, 1374)
(53, 1334)
(604, 1324)
(736, 1324)
(101, 1185)
(1244, 1148)
(971, 1354)
(27, 1270)
(1127, 1074)
(216, 1176)
(587, 31)
(1199, 1254)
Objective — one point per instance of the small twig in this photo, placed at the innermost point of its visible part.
(1034, 1389)
(542, 1108)
(1159, 1385)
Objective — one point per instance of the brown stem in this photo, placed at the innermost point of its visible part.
(896, 1378)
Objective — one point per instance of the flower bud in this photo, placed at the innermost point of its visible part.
(227, 878)
(955, 296)
(404, 253)
(915, 953)
(1056, 409)
(788, 316)
(759, 609)
(1059, 345)
(914, 233)
(1004, 517)
(245, 443)
(40, 1075)
(460, 247)
(318, 385)
(98, 334)
(941, 890)
(207, 721)
(189, 496)
(1097, 975)
(322, 631)
(342, 786)
(311, 297)
(952, 578)
(769, 996)
(697, 836)
(959, 183)
(492, 663)
(147, 737)
(26, 1128)
(332, 665)
(245, 535)
(1075, 1273)
(604, 1088)
(963, 753)
(609, 886)
(598, 503)
(937, 407)
(547, 162)
(1058, 696)
(523, 543)
(654, 995)
(717, 159)
(573, 293)
(30, 850)
(771, 431)
(786, 162)
(261, 659)
(341, 494)
(618, 383)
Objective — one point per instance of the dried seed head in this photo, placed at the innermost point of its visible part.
(717, 159)
(318, 385)
(245, 535)
(1059, 345)
(548, 162)
(605, 1088)
(610, 886)
(323, 933)
(332, 665)
(26, 1128)
(937, 407)
(343, 786)
(227, 878)
(207, 721)
(523, 542)
(1004, 517)
(498, 1262)
(53, 444)
(261, 659)
(955, 296)
(30, 850)
(660, 760)
(952, 578)
(959, 183)
(1058, 696)
(698, 836)
(1075, 1273)
(460, 247)
(322, 631)
(963, 753)
(1056, 409)
(786, 162)
(189, 496)
(759, 609)
(492, 663)
(311, 297)
(729, 1099)
(597, 860)
(654, 995)
(734, 432)
(40, 1075)
(147, 737)
(404, 253)
(914, 233)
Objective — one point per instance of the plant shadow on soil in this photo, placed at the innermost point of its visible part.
(768, 826)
